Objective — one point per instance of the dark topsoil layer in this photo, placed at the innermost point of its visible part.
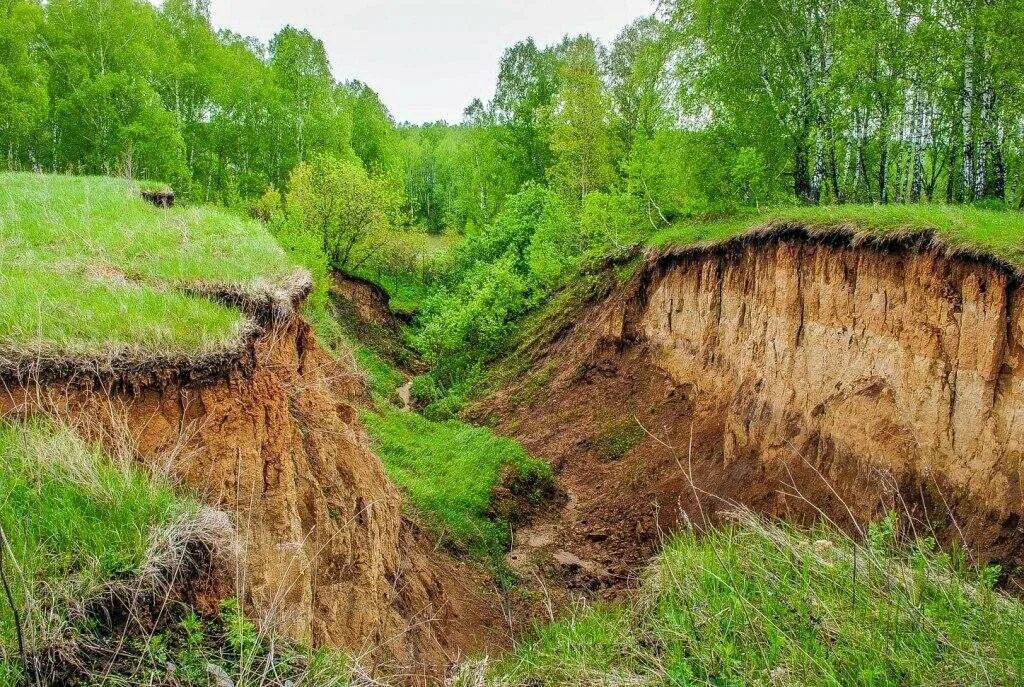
(138, 370)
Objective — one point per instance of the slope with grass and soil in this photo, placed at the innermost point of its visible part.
(97, 280)
(465, 484)
(119, 578)
(754, 602)
(175, 335)
(842, 363)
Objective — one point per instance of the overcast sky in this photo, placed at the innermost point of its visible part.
(429, 58)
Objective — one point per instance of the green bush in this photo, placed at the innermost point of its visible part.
(536, 244)
(474, 321)
(507, 237)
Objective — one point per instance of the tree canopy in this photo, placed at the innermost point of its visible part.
(122, 87)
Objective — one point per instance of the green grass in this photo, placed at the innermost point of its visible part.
(756, 603)
(614, 442)
(448, 470)
(384, 378)
(74, 518)
(88, 267)
(999, 231)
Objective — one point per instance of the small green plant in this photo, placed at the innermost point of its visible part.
(192, 659)
(241, 635)
(616, 441)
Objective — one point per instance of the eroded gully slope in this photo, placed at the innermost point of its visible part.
(326, 555)
(794, 372)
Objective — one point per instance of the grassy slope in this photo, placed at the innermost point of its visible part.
(74, 518)
(449, 469)
(761, 604)
(87, 266)
(1002, 232)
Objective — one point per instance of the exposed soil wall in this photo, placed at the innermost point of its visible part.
(328, 557)
(801, 374)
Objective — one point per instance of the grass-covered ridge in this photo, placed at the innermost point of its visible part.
(1000, 232)
(756, 603)
(87, 267)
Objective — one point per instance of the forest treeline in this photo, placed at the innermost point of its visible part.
(122, 87)
(702, 109)
(714, 104)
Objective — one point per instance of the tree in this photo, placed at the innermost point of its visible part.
(116, 123)
(374, 137)
(340, 203)
(637, 67)
(23, 95)
(582, 144)
(527, 83)
(316, 119)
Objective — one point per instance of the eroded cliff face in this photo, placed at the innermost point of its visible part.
(326, 555)
(800, 375)
(899, 363)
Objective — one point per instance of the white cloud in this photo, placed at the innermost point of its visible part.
(427, 60)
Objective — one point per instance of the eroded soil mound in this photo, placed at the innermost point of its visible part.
(804, 375)
(365, 308)
(327, 557)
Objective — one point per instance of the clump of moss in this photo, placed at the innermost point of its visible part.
(614, 442)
